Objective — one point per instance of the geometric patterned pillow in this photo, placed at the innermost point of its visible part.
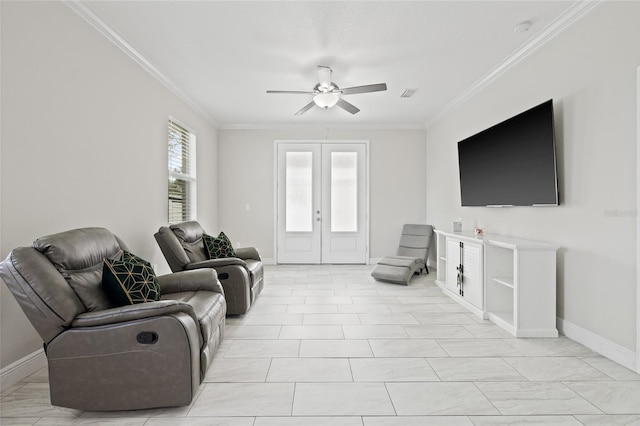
(218, 247)
(128, 283)
(130, 257)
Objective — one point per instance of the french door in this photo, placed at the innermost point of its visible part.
(322, 203)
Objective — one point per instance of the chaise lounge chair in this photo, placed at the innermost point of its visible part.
(411, 256)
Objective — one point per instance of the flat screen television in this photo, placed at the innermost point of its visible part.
(512, 163)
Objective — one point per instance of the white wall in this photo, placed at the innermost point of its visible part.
(84, 143)
(590, 72)
(246, 165)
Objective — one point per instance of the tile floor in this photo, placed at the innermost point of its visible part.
(327, 345)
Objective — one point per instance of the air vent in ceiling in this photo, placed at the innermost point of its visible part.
(408, 93)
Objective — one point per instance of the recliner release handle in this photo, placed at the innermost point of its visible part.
(147, 337)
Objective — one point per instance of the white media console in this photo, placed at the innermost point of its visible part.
(509, 281)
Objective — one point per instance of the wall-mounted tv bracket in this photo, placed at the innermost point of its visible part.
(460, 269)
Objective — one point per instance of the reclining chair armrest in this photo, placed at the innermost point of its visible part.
(216, 263)
(128, 313)
(248, 253)
(195, 280)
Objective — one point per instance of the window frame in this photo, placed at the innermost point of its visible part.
(186, 174)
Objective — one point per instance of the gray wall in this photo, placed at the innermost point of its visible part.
(590, 72)
(246, 176)
(84, 143)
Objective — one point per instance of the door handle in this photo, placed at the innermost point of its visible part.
(460, 270)
(460, 279)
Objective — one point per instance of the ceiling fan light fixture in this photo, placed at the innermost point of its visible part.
(327, 94)
(326, 100)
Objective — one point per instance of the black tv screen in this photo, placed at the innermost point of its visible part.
(512, 163)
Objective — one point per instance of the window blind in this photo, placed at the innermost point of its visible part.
(182, 173)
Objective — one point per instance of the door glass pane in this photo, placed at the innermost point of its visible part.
(299, 193)
(344, 192)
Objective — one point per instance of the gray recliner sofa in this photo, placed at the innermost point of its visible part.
(240, 276)
(103, 357)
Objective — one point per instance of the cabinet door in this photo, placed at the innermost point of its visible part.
(473, 274)
(453, 260)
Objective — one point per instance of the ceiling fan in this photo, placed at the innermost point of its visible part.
(327, 94)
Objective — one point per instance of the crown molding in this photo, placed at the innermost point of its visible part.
(323, 126)
(550, 31)
(572, 14)
(93, 19)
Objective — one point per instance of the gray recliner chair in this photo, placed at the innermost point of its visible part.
(411, 256)
(103, 357)
(240, 276)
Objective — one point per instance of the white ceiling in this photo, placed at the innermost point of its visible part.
(223, 55)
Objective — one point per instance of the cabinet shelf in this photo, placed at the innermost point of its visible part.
(505, 281)
(492, 267)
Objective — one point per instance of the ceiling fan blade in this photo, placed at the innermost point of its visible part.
(306, 108)
(347, 106)
(291, 92)
(324, 76)
(364, 89)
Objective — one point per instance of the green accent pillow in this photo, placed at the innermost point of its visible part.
(130, 257)
(218, 247)
(130, 280)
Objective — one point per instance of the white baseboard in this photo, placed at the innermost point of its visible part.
(607, 348)
(22, 368)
